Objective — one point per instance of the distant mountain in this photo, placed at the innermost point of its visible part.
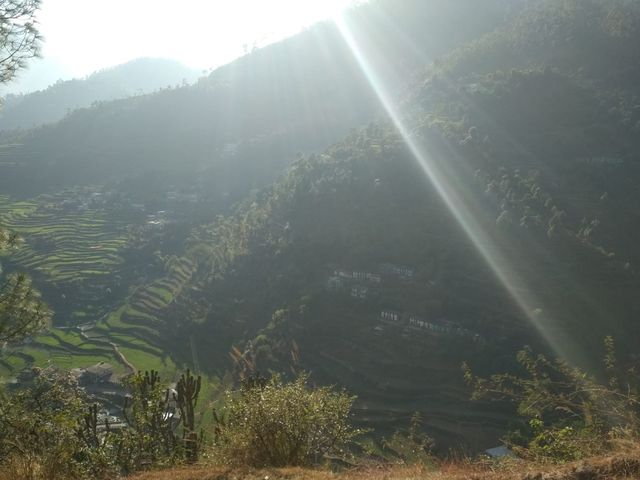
(144, 75)
(247, 120)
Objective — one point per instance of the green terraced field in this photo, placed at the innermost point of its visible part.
(51, 349)
(144, 307)
(134, 327)
(69, 248)
(66, 245)
(77, 254)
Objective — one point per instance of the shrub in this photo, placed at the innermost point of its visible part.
(410, 446)
(155, 415)
(38, 428)
(51, 431)
(269, 422)
(568, 414)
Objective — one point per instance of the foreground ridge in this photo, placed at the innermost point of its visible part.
(616, 467)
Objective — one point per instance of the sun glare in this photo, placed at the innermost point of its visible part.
(439, 173)
(80, 34)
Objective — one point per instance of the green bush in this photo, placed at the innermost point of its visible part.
(410, 446)
(269, 422)
(50, 430)
(155, 417)
(38, 428)
(568, 414)
(561, 443)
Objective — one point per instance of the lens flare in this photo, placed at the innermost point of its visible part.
(441, 175)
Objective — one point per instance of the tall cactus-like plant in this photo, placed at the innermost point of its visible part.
(150, 380)
(88, 430)
(186, 398)
(146, 413)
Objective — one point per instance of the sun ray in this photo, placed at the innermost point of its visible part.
(440, 174)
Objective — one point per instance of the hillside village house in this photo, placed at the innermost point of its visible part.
(439, 326)
(343, 278)
(98, 373)
(359, 291)
(85, 327)
(174, 196)
(443, 326)
(358, 275)
(390, 316)
(335, 283)
(400, 271)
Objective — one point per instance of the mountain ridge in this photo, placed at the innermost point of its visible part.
(143, 75)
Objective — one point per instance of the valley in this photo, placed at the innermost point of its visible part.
(466, 189)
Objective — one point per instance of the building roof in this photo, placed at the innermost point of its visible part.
(499, 452)
(100, 369)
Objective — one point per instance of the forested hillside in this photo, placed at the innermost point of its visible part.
(144, 75)
(374, 201)
(336, 265)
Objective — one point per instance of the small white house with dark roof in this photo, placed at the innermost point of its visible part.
(390, 316)
(359, 291)
(401, 271)
(335, 283)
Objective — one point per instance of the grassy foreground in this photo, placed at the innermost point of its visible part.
(623, 465)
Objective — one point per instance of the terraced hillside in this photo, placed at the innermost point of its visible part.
(106, 284)
(129, 335)
(74, 252)
(141, 319)
(62, 348)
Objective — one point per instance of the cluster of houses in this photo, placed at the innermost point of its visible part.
(158, 219)
(82, 200)
(101, 373)
(353, 281)
(361, 284)
(103, 385)
(602, 160)
(415, 322)
(108, 417)
(86, 199)
(399, 271)
(182, 197)
(85, 327)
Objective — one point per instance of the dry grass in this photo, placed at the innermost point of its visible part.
(623, 465)
(220, 473)
(32, 467)
(615, 467)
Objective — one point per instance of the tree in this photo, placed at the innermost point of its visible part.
(22, 313)
(151, 437)
(21, 310)
(19, 37)
(38, 426)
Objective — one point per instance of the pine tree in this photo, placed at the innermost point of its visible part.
(21, 310)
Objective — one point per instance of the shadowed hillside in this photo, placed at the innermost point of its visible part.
(385, 279)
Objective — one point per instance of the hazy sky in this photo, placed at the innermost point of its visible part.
(82, 36)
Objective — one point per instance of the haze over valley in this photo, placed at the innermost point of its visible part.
(388, 194)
